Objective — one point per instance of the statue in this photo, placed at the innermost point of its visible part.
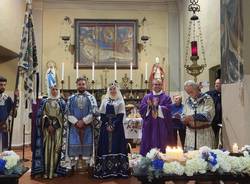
(157, 73)
(50, 75)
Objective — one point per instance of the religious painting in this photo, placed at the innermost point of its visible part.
(231, 41)
(105, 42)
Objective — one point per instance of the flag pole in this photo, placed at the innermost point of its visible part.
(14, 107)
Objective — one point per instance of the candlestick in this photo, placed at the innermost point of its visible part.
(93, 71)
(62, 75)
(131, 71)
(93, 86)
(115, 70)
(131, 89)
(62, 82)
(77, 70)
(146, 71)
(146, 85)
(62, 93)
(235, 148)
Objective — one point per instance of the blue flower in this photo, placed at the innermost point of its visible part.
(2, 165)
(158, 164)
(212, 159)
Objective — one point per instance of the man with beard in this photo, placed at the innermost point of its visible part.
(6, 105)
(82, 108)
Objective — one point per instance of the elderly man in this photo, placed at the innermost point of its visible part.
(157, 130)
(198, 115)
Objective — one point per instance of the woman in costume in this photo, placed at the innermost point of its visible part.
(48, 137)
(112, 159)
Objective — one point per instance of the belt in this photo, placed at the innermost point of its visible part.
(199, 127)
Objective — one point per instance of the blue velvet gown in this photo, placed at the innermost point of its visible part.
(111, 160)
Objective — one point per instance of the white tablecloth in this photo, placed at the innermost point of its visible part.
(133, 128)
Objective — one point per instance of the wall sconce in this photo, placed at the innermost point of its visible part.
(194, 42)
(65, 33)
(144, 38)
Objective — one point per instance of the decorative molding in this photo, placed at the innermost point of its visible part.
(109, 4)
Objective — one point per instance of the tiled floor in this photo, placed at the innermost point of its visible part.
(74, 179)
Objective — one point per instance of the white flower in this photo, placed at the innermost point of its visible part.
(134, 160)
(173, 168)
(196, 165)
(204, 149)
(246, 154)
(237, 166)
(152, 154)
(246, 161)
(11, 161)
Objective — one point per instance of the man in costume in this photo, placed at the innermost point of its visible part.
(157, 130)
(82, 109)
(6, 105)
(48, 151)
(217, 121)
(112, 158)
(198, 116)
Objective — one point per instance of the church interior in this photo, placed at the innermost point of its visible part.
(130, 43)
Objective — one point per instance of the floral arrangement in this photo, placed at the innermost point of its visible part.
(10, 163)
(196, 162)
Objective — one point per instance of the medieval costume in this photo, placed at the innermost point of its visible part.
(157, 130)
(112, 159)
(204, 107)
(48, 138)
(81, 141)
(6, 105)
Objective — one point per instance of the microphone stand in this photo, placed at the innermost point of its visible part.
(195, 130)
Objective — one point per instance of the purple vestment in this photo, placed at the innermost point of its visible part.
(157, 130)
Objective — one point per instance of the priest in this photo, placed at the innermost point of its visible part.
(157, 130)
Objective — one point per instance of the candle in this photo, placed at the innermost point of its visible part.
(77, 70)
(131, 71)
(157, 60)
(235, 148)
(93, 71)
(62, 71)
(146, 71)
(115, 70)
(174, 153)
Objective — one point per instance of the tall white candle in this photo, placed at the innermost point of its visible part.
(146, 71)
(77, 70)
(115, 71)
(131, 71)
(93, 71)
(62, 75)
